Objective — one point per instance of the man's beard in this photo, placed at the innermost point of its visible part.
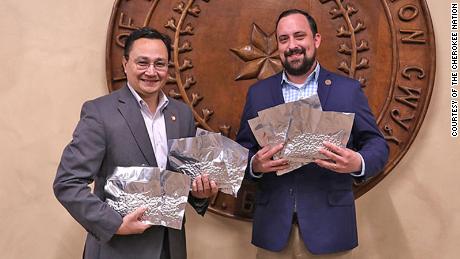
(304, 67)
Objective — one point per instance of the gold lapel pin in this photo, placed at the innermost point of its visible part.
(328, 82)
(173, 118)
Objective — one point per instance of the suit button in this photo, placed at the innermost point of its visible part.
(291, 192)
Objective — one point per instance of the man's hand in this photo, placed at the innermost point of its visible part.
(203, 188)
(263, 160)
(341, 160)
(131, 223)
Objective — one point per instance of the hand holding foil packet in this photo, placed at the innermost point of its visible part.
(302, 127)
(163, 193)
(210, 153)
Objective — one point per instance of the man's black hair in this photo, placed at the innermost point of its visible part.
(311, 21)
(147, 33)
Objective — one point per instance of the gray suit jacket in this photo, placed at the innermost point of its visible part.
(111, 132)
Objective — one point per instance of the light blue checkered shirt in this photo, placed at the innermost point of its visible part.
(293, 92)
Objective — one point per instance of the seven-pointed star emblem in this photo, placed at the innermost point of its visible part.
(260, 55)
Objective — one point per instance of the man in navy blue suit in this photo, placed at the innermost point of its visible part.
(309, 211)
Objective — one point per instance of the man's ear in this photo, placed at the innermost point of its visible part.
(317, 40)
(124, 61)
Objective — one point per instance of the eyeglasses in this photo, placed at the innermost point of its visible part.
(158, 65)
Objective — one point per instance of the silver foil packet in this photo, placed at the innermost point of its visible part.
(302, 127)
(163, 193)
(221, 158)
(306, 139)
(279, 118)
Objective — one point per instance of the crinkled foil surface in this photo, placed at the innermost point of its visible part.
(302, 127)
(221, 158)
(163, 193)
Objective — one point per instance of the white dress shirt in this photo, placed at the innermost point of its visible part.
(156, 127)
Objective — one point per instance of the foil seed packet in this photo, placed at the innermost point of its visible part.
(302, 126)
(210, 153)
(163, 193)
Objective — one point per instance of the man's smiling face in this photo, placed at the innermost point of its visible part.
(297, 45)
(146, 67)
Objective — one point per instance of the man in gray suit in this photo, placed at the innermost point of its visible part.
(129, 127)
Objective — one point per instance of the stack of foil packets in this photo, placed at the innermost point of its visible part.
(302, 127)
(221, 158)
(163, 193)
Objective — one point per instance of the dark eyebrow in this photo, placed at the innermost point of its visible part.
(300, 33)
(143, 58)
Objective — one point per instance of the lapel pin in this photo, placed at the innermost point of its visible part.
(328, 82)
(173, 118)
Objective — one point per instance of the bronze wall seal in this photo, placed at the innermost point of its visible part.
(222, 47)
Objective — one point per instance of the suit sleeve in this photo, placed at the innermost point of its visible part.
(79, 166)
(200, 205)
(245, 136)
(367, 138)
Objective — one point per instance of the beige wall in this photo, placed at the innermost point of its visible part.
(52, 59)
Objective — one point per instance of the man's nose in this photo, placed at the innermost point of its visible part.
(150, 70)
(291, 44)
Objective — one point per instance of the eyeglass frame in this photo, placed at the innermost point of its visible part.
(147, 65)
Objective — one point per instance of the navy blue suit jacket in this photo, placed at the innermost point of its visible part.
(324, 199)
